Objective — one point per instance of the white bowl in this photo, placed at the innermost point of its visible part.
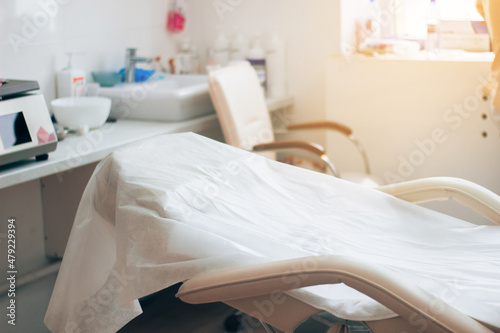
(78, 112)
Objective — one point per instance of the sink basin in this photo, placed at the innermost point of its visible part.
(175, 98)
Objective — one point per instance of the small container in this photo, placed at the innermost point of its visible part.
(92, 89)
(70, 81)
(106, 79)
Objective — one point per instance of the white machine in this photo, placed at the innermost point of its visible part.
(26, 129)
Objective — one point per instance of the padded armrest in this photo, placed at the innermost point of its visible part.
(268, 278)
(304, 145)
(470, 194)
(309, 146)
(332, 125)
(322, 125)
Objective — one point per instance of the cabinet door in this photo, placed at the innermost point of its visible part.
(61, 194)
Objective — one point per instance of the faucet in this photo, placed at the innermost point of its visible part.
(130, 60)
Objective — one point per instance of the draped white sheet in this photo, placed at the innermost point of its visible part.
(164, 210)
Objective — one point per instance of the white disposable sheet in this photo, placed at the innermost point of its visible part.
(164, 210)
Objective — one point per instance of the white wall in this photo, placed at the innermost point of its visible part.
(36, 34)
(416, 118)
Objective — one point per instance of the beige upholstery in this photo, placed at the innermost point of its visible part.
(241, 107)
(469, 194)
(259, 290)
(240, 104)
(242, 287)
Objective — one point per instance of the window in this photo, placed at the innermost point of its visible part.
(407, 20)
(410, 15)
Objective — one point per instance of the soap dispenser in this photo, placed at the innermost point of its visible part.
(221, 49)
(275, 63)
(238, 47)
(70, 81)
(184, 58)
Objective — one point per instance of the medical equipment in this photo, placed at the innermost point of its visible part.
(240, 105)
(26, 129)
(265, 236)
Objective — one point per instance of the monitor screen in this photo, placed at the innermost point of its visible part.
(13, 130)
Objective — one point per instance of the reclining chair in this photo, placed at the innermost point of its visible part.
(241, 229)
(240, 105)
(258, 290)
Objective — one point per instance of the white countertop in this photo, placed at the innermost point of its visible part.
(76, 150)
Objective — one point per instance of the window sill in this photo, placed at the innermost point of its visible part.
(442, 56)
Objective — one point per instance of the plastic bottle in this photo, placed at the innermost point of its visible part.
(210, 64)
(433, 40)
(221, 49)
(239, 47)
(275, 62)
(184, 59)
(70, 81)
(195, 60)
(176, 16)
(257, 58)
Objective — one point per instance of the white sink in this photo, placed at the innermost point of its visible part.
(176, 98)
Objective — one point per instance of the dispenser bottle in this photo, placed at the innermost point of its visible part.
(239, 47)
(221, 49)
(184, 58)
(275, 63)
(70, 81)
(257, 58)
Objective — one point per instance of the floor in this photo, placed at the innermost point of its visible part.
(162, 312)
(31, 304)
